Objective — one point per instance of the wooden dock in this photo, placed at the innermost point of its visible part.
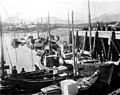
(101, 34)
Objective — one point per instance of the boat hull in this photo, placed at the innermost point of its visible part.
(33, 84)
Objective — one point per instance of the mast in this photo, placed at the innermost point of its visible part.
(68, 23)
(41, 26)
(2, 54)
(73, 45)
(31, 39)
(89, 22)
(38, 30)
(70, 33)
(85, 38)
(15, 47)
(49, 34)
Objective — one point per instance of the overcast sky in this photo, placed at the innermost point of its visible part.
(58, 8)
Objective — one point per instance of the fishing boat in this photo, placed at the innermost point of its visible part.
(34, 84)
(23, 41)
(30, 42)
(15, 43)
(105, 83)
(39, 44)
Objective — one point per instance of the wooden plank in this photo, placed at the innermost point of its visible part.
(101, 34)
(111, 73)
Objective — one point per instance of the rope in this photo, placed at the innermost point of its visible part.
(117, 41)
(102, 9)
(103, 47)
(115, 46)
(4, 9)
(101, 4)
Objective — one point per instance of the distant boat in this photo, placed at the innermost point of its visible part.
(15, 43)
(23, 41)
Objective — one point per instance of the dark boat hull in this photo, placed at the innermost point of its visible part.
(27, 84)
(32, 84)
(107, 82)
(32, 75)
(90, 90)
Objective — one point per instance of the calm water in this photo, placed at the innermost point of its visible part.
(22, 56)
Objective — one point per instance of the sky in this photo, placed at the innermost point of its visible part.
(32, 9)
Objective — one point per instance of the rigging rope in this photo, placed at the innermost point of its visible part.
(104, 47)
(115, 47)
(101, 10)
(104, 12)
(117, 41)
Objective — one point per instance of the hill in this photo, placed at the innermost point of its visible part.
(107, 18)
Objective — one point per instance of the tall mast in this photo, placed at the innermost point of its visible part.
(38, 29)
(49, 34)
(68, 23)
(15, 45)
(73, 44)
(2, 54)
(41, 26)
(70, 34)
(89, 21)
(32, 39)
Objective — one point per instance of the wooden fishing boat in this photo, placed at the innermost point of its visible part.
(39, 74)
(23, 41)
(105, 83)
(35, 84)
(85, 85)
(39, 53)
(88, 84)
(30, 42)
(15, 43)
(39, 43)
